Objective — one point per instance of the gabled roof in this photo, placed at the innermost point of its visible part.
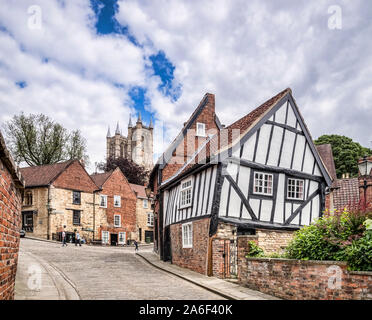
(100, 178)
(246, 126)
(166, 156)
(325, 152)
(346, 193)
(38, 176)
(139, 190)
(222, 141)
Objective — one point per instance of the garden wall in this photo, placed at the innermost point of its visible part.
(304, 280)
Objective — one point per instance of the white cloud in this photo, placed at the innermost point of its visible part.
(247, 51)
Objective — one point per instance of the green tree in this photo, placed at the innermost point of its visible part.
(38, 140)
(133, 172)
(346, 153)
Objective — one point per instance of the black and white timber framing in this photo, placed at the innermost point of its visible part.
(278, 144)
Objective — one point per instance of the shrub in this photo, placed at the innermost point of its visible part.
(254, 250)
(341, 236)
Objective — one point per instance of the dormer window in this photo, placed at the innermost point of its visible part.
(200, 129)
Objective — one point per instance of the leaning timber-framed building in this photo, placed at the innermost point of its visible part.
(260, 176)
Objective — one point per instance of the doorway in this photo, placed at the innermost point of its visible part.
(114, 239)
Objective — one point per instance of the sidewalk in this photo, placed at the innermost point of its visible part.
(38, 280)
(227, 289)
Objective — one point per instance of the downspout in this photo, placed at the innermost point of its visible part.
(48, 213)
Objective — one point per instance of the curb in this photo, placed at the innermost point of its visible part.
(224, 295)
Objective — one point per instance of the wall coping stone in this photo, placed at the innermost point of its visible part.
(367, 273)
(297, 261)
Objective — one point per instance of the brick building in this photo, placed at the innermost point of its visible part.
(60, 197)
(11, 191)
(117, 204)
(261, 176)
(145, 215)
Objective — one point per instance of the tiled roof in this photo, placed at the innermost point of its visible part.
(139, 190)
(43, 175)
(346, 193)
(325, 152)
(100, 178)
(222, 140)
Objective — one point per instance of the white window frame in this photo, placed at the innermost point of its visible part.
(145, 201)
(108, 237)
(150, 216)
(125, 238)
(198, 133)
(187, 190)
(119, 205)
(187, 235)
(265, 174)
(100, 201)
(117, 225)
(295, 186)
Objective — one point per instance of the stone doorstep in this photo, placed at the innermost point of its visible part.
(222, 287)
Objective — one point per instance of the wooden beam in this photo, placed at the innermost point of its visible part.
(291, 172)
(285, 126)
(294, 214)
(242, 197)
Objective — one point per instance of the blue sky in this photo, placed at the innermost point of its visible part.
(89, 64)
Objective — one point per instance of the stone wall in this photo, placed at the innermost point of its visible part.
(11, 189)
(305, 280)
(273, 241)
(142, 219)
(194, 258)
(39, 206)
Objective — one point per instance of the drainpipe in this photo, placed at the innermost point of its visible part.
(48, 214)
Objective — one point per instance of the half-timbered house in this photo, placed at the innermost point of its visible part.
(261, 176)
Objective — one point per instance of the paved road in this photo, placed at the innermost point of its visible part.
(98, 273)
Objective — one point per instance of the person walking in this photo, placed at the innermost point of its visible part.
(64, 238)
(77, 239)
(135, 246)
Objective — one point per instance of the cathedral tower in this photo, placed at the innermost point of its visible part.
(137, 146)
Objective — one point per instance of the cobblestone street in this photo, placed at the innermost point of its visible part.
(98, 273)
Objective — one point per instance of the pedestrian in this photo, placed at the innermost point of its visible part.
(77, 239)
(64, 238)
(135, 246)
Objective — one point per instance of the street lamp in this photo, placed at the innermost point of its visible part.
(148, 192)
(365, 167)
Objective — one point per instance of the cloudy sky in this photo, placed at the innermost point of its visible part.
(88, 64)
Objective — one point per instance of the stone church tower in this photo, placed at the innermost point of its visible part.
(138, 146)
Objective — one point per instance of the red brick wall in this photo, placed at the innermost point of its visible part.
(118, 185)
(305, 280)
(10, 224)
(194, 258)
(185, 150)
(368, 191)
(75, 178)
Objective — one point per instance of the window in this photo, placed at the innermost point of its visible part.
(117, 220)
(76, 197)
(263, 183)
(103, 202)
(117, 201)
(76, 217)
(186, 193)
(200, 129)
(187, 235)
(122, 238)
(28, 199)
(150, 219)
(145, 203)
(295, 189)
(105, 237)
